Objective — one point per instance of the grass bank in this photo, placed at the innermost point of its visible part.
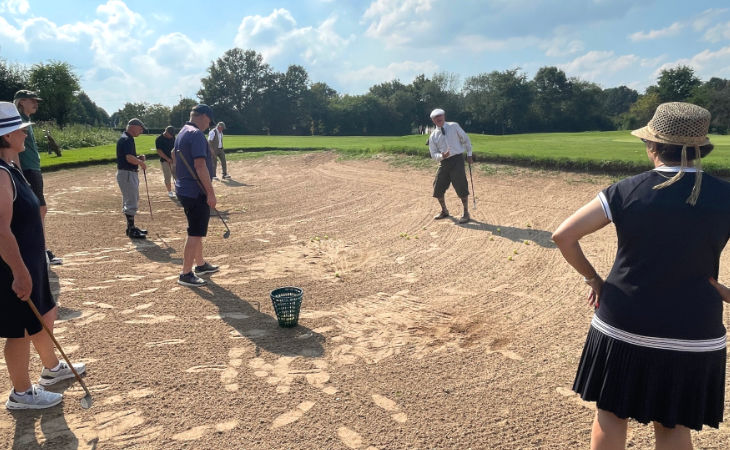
(604, 152)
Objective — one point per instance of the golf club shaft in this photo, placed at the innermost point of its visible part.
(144, 172)
(473, 195)
(197, 180)
(58, 346)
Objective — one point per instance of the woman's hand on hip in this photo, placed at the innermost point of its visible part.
(723, 290)
(596, 285)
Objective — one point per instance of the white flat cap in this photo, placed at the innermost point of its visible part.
(437, 112)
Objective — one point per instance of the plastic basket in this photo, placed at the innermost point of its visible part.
(287, 301)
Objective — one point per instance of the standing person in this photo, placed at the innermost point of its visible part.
(193, 172)
(656, 347)
(164, 144)
(215, 140)
(24, 277)
(30, 160)
(447, 144)
(128, 164)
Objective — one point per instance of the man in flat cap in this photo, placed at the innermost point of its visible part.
(30, 160)
(215, 141)
(447, 144)
(193, 172)
(128, 164)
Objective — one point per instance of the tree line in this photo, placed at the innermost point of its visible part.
(253, 98)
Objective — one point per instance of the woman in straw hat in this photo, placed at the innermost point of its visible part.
(655, 351)
(24, 276)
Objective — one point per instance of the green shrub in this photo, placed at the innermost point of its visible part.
(73, 136)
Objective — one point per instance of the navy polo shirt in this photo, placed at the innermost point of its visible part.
(125, 146)
(190, 144)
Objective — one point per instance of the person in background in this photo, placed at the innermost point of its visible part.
(164, 144)
(656, 347)
(30, 160)
(215, 141)
(128, 164)
(24, 277)
(447, 144)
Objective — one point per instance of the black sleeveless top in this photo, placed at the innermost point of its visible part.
(27, 228)
(667, 251)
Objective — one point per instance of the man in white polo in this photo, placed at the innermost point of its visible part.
(447, 144)
(215, 142)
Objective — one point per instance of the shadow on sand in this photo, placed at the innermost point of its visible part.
(154, 252)
(261, 329)
(51, 423)
(539, 237)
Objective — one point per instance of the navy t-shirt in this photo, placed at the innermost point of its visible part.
(190, 144)
(667, 251)
(165, 144)
(125, 146)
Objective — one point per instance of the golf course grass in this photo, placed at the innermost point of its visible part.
(607, 152)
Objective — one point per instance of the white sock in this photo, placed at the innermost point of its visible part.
(57, 368)
(23, 393)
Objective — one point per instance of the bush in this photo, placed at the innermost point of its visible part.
(73, 136)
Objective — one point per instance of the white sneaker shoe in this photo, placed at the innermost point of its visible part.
(50, 377)
(171, 194)
(35, 398)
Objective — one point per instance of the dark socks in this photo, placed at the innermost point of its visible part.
(130, 221)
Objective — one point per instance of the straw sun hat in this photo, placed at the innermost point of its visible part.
(684, 124)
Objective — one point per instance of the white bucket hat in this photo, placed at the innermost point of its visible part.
(10, 119)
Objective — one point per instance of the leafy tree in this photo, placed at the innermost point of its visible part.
(618, 100)
(499, 102)
(57, 85)
(85, 111)
(552, 91)
(676, 85)
(641, 111)
(156, 116)
(236, 86)
(13, 78)
(129, 111)
(180, 113)
(316, 101)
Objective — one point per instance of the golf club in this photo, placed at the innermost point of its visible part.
(473, 195)
(227, 233)
(144, 172)
(87, 401)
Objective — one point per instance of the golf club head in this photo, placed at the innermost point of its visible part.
(227, 234)
(87, 401)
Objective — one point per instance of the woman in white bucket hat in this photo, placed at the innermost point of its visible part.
(24, 276)
(656, 350)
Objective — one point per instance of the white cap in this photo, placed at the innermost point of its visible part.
(437, 112)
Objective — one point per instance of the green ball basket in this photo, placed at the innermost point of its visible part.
(287, 301)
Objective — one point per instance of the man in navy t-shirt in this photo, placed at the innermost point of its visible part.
(127, 166)
(193, 170)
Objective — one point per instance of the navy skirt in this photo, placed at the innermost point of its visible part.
(652, 385)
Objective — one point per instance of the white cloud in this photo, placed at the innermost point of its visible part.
(595, 65)
(706, 64)
(278, 38)
(398, 23)
(706, 18)
(365, 77)
(15, 6)
(479, 44)
(564, 42)
(720, 32)
(671, 30)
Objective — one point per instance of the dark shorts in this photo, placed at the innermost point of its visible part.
(198, 213)
(451, 171)
(35, 179)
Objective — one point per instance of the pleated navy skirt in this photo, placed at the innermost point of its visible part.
(652, 385)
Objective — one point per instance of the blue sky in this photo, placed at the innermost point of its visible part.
(157, 51)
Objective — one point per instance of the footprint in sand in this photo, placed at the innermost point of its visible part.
(293, 415)
(137, 308)
(132, 395)
(150, 319)
(113, 427)
(283, 375)
(351, 438)
(206, 368)
(144, 292)
(390, 406)
(203, 430)
(164, 342)
(230, 373)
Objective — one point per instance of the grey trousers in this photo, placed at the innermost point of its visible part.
(219, 153)
(129, 185)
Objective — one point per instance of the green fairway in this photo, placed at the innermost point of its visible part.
(612, 151)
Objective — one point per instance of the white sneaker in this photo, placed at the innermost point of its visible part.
(171, 194)
(215, 179)
(35, 398)
(49, 377)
